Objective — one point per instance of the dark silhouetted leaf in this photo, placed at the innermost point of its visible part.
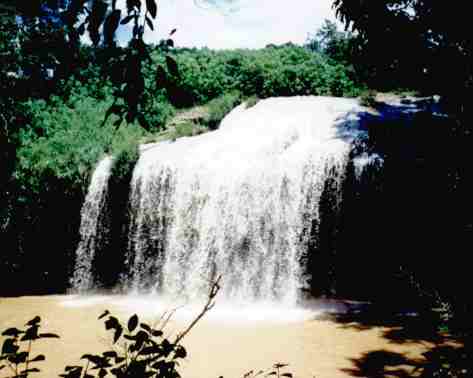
(12, 332)
(34, 321)
(18, 358)
(167, 347)
(73, 372)
(81, 29)
(172, 66)
(102, 373)
(146, 327)
(279, 365)
(67, 368)
(110, 25)
(157, 333)
(49, 335)
(132, 323)
(127, 19)
(40, 357)
(161, 77)
(152, 8)
(31, 333)
(110, 353)
(180, 352)
(31, 370)
(173, 31)
(289, 375)
(97, 360)
(118, 333)
(105, 313)
(112, 323)
(155, 349)
(149, 22)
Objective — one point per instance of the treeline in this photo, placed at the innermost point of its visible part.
(62, 126)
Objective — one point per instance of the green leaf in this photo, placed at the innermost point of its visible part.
(152, 8)
(133, 323)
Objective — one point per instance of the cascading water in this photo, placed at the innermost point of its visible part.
(237, 201)
(92, 229)
(241, 202)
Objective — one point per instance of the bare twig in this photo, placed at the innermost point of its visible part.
(214, 289)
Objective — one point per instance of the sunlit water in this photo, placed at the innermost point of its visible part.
(236, 202)
(91, 229)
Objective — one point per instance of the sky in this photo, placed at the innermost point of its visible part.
(238, 23)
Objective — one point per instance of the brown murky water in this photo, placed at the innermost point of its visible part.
(216, 347)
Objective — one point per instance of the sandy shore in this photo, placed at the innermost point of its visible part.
(216, 347)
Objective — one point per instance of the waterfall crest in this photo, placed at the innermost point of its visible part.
(92, 227)
(237, 201)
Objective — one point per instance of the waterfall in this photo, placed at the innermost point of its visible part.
(92, 227)
(238, 201)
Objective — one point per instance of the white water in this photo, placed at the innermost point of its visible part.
(237, 201)
(91, 228)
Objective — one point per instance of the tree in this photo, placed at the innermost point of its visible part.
(52, 30)
(424, 41)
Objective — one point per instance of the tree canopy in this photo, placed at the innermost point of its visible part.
(426, 40)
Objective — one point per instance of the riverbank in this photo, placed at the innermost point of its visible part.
(312, 344)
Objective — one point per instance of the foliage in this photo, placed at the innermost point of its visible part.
(219, 108)
(145, 353)
(251, 101)
(392, 30)
(67, 141)
(50, 40)
(286, 70)
(19, 359)
(368, 98)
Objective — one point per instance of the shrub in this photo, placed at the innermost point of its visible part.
(66, 143)
(368, 98)
(251, 101)
(219, 108)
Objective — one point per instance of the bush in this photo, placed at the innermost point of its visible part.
(219, 108)
(368, 98)
(251, 101)
(66, 142)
